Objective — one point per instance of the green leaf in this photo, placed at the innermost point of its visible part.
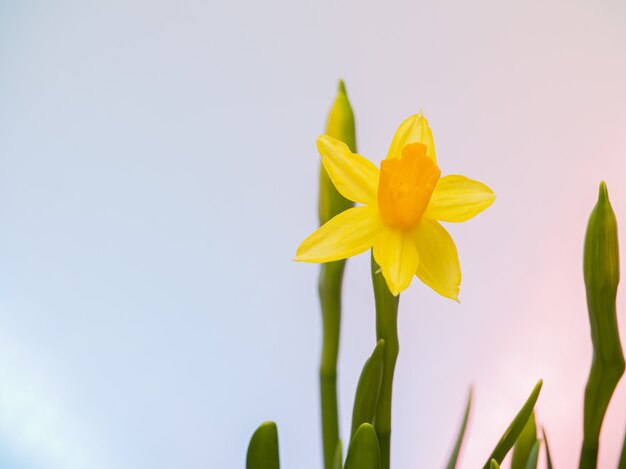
(363, 452)
(515, 428)
(533, 457)
(524, 444)
(459, 439)
(545, 442)
(263, 448)
(493, 464)
(338, 462)
(601, 272)
(368, 388)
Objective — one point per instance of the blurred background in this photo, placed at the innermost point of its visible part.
(158, 170)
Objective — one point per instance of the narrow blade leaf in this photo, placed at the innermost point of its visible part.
(368, 389)
(548, 457)
(459, 439)
(515, 428)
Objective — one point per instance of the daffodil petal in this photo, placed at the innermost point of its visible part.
(457, 198)
(415, 129)
(439, 261)
(395, 253)
(346, 235)
(355, 177)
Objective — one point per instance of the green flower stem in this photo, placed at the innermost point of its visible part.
(340, 124)
(386, 329)
(331, 275)
(601, 272)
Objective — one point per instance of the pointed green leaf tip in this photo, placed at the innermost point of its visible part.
(366, 398)
(494, 464)
(363, 452)
(263, 448)
(601, 273)
(342, 88)
(339, 125)
(515, 428)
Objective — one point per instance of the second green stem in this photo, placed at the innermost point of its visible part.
(387, 329)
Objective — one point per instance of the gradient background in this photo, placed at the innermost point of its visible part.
(158, 170)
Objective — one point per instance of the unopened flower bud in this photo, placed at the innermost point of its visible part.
(340, 125)
(601, 258)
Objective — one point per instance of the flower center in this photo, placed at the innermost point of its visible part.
(406, 185)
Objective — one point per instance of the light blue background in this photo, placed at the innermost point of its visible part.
(158, 170)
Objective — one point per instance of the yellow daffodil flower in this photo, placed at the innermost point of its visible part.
(402, 205)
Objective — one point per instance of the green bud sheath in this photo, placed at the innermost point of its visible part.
(340, 125)
(601, 272)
